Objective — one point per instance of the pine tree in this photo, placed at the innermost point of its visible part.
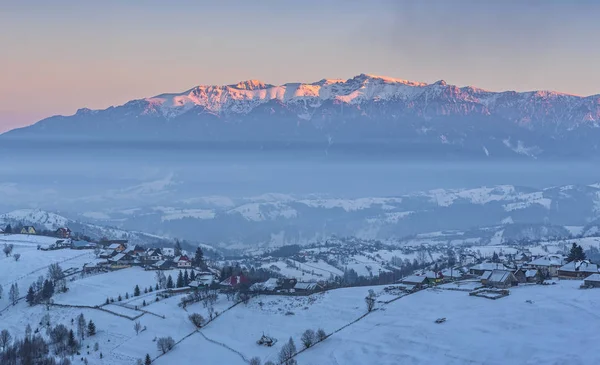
(199, 258)
(136, 291)
(156, 287)
(119, 298)
(30, 295)
(148, 360)
(72, 342)
(8, 229)
(169, 282)
(576, 253)
(186, 278)
(177, 248)
(192, 275)
(91, 328)
(180, 279)
(47, 290)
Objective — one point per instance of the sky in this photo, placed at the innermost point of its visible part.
(58, 56)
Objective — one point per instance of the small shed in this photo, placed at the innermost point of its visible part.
(592, 281)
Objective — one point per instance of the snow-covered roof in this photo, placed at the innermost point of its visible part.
(550, 260)
(580, 266)
(593, 277)
(117, 257)
(270, 284)
(499, 276)
(530, 273)
(414, 279)
(114, 246)
(486, 275)
(305, 286)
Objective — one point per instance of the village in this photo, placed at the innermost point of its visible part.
(302, 271)
(273, 294)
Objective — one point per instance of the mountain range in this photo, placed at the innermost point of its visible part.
(365, 113)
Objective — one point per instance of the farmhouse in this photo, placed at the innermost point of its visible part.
(121, 259)
(235, 281)
(307, 287)
(577, 269)
(161, 265)
(500, 279)
(270, 285)
(413, 282)
(154, 254)
(63, 232)
(117, 247)
(182, 262)
(548, 264)
(28, 230)
(592, 281)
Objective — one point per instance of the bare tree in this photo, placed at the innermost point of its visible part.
(308, 338)
(137, 327)
(255, 361)
(17, 256)
(287, 352)
(81, 326)
(5, 339)
(7, 249)
(13, 294)
(321, 335)
(165, 344)
(1, 290)
(197, 319)
(370, 300)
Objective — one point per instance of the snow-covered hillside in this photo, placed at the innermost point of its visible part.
(279, 219)
(41, 219)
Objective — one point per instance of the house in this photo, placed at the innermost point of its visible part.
(452, 273)
(121, 259)
(286, 284)
(548, 264)
(592, 281)
(270, 285)
(500, 279)
(307, 287)
(206, 279)
(479, 269)
(28, 230)
(413, 282)
(195, 284)
(154, 254)
(182, 262)
(82, 245)
(235, 281)
(434, 277)
(162, 265)
(520, 275)
(577, 269)
(63, 232)
(117, 247)
(532, 275)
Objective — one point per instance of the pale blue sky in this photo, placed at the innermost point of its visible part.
(58, 56)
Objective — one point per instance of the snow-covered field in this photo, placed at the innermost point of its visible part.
(34, 262)
(558, 327)
(93, 290)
